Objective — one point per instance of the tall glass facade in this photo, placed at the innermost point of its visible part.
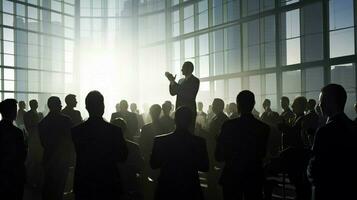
(37, 46)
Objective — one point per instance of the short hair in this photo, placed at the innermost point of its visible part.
(123, 104)
(218, 103)
(166, 106)
(336, 94)
(33, 102)
(189, 65)
(285, 98)
(267, 101)
(311, 103)
(246, 101)
(7, 106)
(183, 117)
(93, 100)
(69, 98)
(155, 110)
(53, 102)
(301, 101)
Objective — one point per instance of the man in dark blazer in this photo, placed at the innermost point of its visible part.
(332, 169)
(99, 147)
(179, 156)
(185, 89)
(242, 146)
(129, 117)
(12, 153)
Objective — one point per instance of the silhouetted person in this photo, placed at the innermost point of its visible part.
(99, 146)
(210, 114)
(201, 118)
(214, 130)
(179, 156)
(129, 117)
(311, 122)
(20, 115)
(295, 156)
(131, 168)
(134, 109)
(35, 151)
(332, 169)
(74, 115)
(166, 121)
(58, 155)
(269, 117)
(242, 146)
(12, 154)
(185, 89)
(232, 111)
(148, 133)
(287, 115)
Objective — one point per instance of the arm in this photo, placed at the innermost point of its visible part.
(314, 168)
(224, 149)
(203, 161)
(174, 88)
(119, 145)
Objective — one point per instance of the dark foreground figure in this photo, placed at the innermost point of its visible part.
(12, 154)
(333, 167)
(242, 146)
(179, 156)
(99, 147)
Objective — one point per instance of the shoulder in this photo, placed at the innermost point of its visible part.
(163, 137)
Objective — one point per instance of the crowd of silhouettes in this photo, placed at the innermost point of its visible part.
(236, 150)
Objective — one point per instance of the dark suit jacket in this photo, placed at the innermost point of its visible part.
(74, 115)
(131, 122)
(186, 91)
(12, 157)
(333, 167)
(242, 146)
(99, 147)
(179, 156)
(55, 136)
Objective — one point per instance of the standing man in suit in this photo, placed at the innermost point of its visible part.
(58, 153)
(179, 156)
(12, 153)
(99, 146)
(332, 169)
(242, 146)
(74, 115)
(185, 89)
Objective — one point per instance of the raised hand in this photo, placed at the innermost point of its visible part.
(170, 77)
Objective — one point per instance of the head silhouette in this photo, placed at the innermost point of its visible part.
(33, 104)
(71, 101)
(22, 105)
(183, 118)
(299, 105)
(54, 104)
(284, 102)
(311, 104)
(166, 108)
(95, 104)
(155, 111)
(123, 105)
(266, 104)
(245, 102)
(217, 105)
(8, 109)
(187, 68)
(200, 106)
(133, 107)
(333, 99)
(232, 108)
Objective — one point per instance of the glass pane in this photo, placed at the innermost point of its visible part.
(234, 87)
(314, 82)
(342, 43)
(292, 84)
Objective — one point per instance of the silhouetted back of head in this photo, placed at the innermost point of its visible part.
(187, 68)
(245, 101)
(333, 99)
(133, 107)
(54, 104)
(299, 105)
(155, 111)
(284, 101)
(22, 105)
(166, 107)
(95, 104)
(8, 109)
(183, 118)
(311, 104)
(71, 100)
(33, 104)
(217, 105)
(232, 107)
(123, 105)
